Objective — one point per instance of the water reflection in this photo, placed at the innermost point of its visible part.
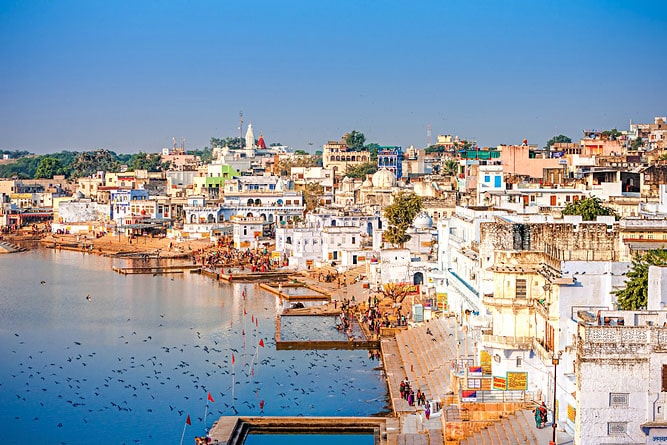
(145, 351)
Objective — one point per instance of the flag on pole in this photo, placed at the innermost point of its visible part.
(256, 322)
(261, 342)
(210, 398)
(252, 318)
(188, 421)
(244, 312)
(232, 359)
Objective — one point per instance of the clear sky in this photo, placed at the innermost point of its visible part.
(130, 75)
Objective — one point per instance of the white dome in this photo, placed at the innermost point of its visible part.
(423, 221)
(367, 183)
(384, 178)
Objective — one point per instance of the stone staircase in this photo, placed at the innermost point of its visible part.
(7, 247)
(518, 428)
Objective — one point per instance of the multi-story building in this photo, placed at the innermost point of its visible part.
(391, 158)
(621, 361)
(337, 156)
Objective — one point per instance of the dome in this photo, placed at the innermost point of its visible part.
(423, 221)
(384, 178)
(347, 179)
(367, 183)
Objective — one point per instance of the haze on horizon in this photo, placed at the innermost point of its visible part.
(129, 76)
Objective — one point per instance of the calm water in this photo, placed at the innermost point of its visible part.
(132, 363)
(309, 439)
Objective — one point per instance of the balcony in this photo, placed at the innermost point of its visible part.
(507, 342)
(490, 300)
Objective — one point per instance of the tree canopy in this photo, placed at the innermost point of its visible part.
(400, 215)
(561, 138)
(588, 208)
(360, 171)
(48, 167)
(231, 142)
(355, 140)
(635, 294)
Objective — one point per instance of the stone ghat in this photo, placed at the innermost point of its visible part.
(234, 430)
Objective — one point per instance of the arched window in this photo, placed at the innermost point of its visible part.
(250, 201)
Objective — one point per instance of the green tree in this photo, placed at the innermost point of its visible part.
(635, 294)
(90, 162)
(360, 171)
(637, 144)
(611, 134)
(400, 215)
(588, 208)
(560, 138)
(231, 142)
(24, 168)
(48, 167)
(147, 161)
(373, 149)
(434, 149)
(450, 167)
(301, 152)
(355, 140)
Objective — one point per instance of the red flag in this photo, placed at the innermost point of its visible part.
(210, 398)
(261, 342)
(257, 322)
(232, 359)
(261, 404)
(188, 420)
(252, 318)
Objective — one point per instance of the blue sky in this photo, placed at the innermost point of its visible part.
(130, 75)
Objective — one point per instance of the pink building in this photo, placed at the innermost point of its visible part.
(525, 160)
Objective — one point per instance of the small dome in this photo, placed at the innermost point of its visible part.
(280, 185)
(367, 183)
(384, 178)
(423, 221)
(79, 195)
(347, 179)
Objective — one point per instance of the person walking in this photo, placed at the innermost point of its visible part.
(538, 418)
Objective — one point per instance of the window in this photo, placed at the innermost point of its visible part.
(497, 181)
(664, 378)
(475, 383)
(619, 399)
(520, 288)
(487, 178)
(518, 362)
(354, 240)
(617, 428)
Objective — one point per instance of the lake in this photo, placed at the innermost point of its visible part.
(130, 363)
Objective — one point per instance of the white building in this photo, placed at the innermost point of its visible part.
(621, 389)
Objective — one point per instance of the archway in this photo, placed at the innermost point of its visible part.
(418, 278)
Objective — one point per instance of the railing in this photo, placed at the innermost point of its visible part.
(507, 302)
(511, 342)
(489, 396)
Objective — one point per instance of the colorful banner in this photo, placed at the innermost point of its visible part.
(571, 413)
(517, 381)
(468, 396)
(475, 371)
(499, 383)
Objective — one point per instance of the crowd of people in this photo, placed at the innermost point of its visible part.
(419, 398)
(225, 255)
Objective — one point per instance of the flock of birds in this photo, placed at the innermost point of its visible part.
(80, 384)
